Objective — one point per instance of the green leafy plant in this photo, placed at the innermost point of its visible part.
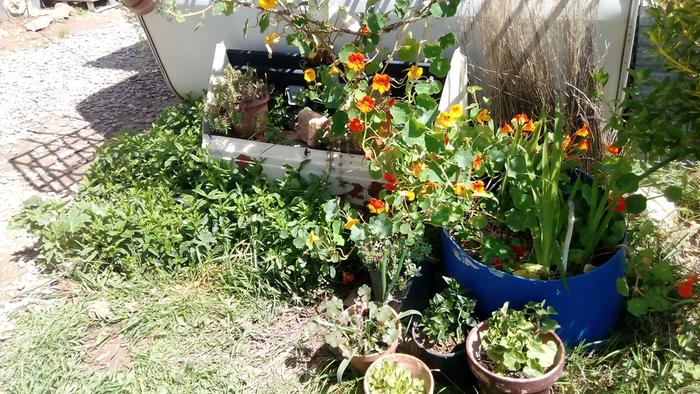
(512, 341)
(364, 328)
(390, 377)
(229, 96)
(449, 315)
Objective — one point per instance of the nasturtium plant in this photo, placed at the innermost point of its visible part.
(390, 377)
(513, 342)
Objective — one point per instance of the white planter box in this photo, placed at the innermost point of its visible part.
(347, 173)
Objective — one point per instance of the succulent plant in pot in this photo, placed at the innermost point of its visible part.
(440, 333)
(362, 332)
(238, 104)
(398, 373)
(516, 350)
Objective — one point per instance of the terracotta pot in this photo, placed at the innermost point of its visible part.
(253, 116)
(490, 382)
(141, 7)
(361, 363)
(417, 367)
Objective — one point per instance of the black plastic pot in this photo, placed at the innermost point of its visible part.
(453, 366)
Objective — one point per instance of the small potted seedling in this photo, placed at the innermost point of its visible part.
(362, 332)
(516, 351)
(398, 373)
(238, 104)
(440, 333)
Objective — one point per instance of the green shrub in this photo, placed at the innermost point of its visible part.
(156, 202)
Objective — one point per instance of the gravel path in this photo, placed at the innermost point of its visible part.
(58, 103)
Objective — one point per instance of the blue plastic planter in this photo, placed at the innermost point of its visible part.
(587, 311)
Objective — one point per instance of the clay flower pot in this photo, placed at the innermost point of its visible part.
(362, 362)
(490, 382)
(141, 7)
(417, 367)
(253, 116)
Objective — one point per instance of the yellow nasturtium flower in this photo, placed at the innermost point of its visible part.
(313, 238)
(460, 189)
(414, 72)
(483, 116)
(444, 121)
(267, 5)
(334, 70)
(350, 223)
(410, 196)
(270, 40)
(456, 110)
(309, 75)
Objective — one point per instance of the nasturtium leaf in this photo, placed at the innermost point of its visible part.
(622, 287)
(673, 193)
(636, 204)
(440, 66)
(400, 113)
(432, 144)
(357, 233)
(464, 158)
(371, 3)
(345, 51)
(432, 51)
(414, 132)
(408, 52)
(333, 96)
(515, 220)
(441, 216)
(380, 226)
(340, 119)
(299, 42)
(662, 271)
(516, 166)
(444, 8)
(429, 87)
(218, 8)
(427, 108)
(447, 40)
(375, 22)
(656, 300)
(637, 306)
(496, 155)
(627, 183)
(331, 208)
(373, 67)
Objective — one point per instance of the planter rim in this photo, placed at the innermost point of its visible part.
(353, 309)
(553, 372)
(460, 345)
(255, 102)
(507, 274)
(398, 357)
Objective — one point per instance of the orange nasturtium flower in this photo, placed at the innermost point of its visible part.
(356, 61)
(445, 121)
(685, 289)
(583, 131)
(364, 29)
(381, 83)
(621, 205)
(567, 142)
(267, 5)
(348, 278)
(529, 126)
(460, 189)
(376, 206)
(476, 164)
(417, 168)
(355, 125)
(456, 111)
(309, 75)
(414, 72)
(585, 145)
(477, 186)
(428, 187)
(365, 105)
(613, 150)
(483, 116)
(409, 195)
(390, 184)
(506, 129)
(520, 119)
(350, 222)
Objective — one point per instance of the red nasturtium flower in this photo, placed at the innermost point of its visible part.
(446, 139)
(355, 125)
(365, 105)
(356, 61)
(521, 119)
(376, 206)
(621, 205)
(476, 164)
(685, 289)
(477, 186)
(497, 263)
(519, 250)
(348, 278)
(390, 184)
(506, 129)
(381, 83)
(613, 150)
(391, 102)
(364, 29)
